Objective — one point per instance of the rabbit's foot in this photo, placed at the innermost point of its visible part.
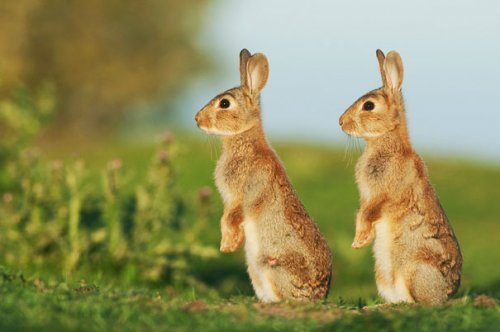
(231, 244)
(227, 246)
(233, 235)
(362, 239)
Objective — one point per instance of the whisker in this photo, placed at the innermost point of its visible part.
(347, 155)
(216, 147)
(214, 144)
(205, 143)
(209, 138)
(358, 146)
(346, 148)
(352, 150)
(349, 142)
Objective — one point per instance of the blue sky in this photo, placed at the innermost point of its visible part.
(322, 58)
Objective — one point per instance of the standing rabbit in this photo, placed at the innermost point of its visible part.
(417, 257)
(286, 254)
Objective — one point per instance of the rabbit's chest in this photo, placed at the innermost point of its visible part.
(376, 167)
(371, 174)
(229, 175)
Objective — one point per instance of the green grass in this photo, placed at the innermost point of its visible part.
(325, 182)
(33, 305)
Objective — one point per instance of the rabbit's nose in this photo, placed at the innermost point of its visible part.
(341, 122)
(197, 117)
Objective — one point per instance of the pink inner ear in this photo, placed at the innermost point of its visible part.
(392, 75)
(254, 78)
(249, 76)
(257, 69)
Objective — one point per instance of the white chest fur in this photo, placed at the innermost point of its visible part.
(251, 243)
(382, 249)
(392, 287)
(260, 274)
(362, 180)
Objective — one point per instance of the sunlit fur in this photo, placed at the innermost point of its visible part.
(287, 256)
(229, 121)
(417, 257)
(384, 118)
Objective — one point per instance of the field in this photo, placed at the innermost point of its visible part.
(323, 176)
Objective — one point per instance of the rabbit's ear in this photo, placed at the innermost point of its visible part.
(381, 63)
(244, 56)
(394, 71)
(257, 73)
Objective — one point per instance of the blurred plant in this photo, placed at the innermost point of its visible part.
(205, 215)
(76, 192)
(10, 235)
(21, 117)
(113, 209)
(161, 244)
(158, 205)
(102, 56)
(46, 223)
(157, 213)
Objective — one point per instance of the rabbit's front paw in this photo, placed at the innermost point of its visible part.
(362, 239)
(231, 243)
(228, 246)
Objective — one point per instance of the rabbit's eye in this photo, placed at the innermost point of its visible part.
(368, 106)
(224, 103)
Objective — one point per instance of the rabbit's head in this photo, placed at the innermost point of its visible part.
(237, 110)
(379, 111)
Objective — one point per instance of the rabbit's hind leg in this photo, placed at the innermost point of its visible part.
(395, 291)
(294, 279)
(264, 289)
(427, 285)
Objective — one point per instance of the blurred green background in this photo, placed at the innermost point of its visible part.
(91, 189)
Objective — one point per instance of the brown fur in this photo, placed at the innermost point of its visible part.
(293, 258)
(417, 256)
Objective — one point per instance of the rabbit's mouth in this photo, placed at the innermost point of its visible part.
(349, 128)
(204, 123)
(352, 133)
(215, 131)
(206, 129)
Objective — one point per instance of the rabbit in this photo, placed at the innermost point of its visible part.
(287, 256)
(417, 256)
